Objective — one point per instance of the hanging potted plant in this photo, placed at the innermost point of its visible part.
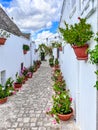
(3, 36)
(26, 48)
(78, 35)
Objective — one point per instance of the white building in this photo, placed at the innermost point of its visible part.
(78, 74)
(11, 54)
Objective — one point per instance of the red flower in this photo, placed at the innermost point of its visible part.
(71, 99)
(79, 18)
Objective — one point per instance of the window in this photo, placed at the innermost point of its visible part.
(87, 7)
(2, 77)
(73, 8)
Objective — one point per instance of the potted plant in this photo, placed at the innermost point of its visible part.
(4, 93)
(9, 85)
(59, 86)
(78, 35)
(24, 72)
(3, 36)
(61, 109)
(56, 62)
(25, 48)
(51, 61)
(19, 81)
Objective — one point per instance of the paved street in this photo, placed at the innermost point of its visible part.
(27, 109)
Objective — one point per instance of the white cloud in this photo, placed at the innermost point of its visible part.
(34, 14)
(42, 38)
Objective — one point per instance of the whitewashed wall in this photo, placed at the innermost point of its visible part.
(79, 75)
(11, 56)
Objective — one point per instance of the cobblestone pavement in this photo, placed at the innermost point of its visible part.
(27, 109)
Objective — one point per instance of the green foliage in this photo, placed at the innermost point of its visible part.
(96, 85)
(56, 62)
(9, 85)
(4, 92)
(45, 49)
(59, 86)
(96, 38)
(51, 61)
(56, 45)
(61, 104)
(77, 34)
(94, 55)
(19, 79)
(31, 69)
(26, 47)
(4, 34)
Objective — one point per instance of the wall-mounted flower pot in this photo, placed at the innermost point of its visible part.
(2, 41)
(81, 52)
(3, 100)
(24, 52)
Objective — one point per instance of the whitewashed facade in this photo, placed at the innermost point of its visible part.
(78, 74)
(11, 56)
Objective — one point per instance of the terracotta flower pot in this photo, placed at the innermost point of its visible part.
(2, 41)
(81, 52)
(24, 52)
(17, 85)
(23, 81)
(66, 116)
(60, 48)
(29, 75)
(3, 100)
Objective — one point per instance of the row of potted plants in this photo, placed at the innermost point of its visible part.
(53, 62)
(11, 86)
(61, 108)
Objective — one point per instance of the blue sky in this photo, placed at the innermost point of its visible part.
(34, 19)
(5, 3)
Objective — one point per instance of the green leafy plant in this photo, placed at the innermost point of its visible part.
(26, 47)
(56, 62)
(19, 79)
(24, 71)
(31, 69)
(51, 61)
(94, 55)
(59, 86)
(96, 38)
(56, 44)
(9, 85)
(4, 34)
(61, 104)
(4, 92)
(96, 85)
(77, 34)
(94, 52)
